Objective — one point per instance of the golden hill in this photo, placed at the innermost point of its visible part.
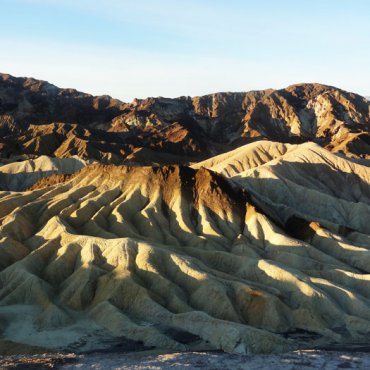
(231, 221)
(243, 260)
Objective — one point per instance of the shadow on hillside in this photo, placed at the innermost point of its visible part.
(163, 228)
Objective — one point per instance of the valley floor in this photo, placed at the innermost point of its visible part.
(192, 360)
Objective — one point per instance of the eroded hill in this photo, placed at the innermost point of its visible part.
(179, 224)
(41, 119)
(147, 253)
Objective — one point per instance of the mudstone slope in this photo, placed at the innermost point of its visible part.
(264, 247)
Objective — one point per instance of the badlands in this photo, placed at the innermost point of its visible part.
(235, 221)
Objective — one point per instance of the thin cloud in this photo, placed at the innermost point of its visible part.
(136, 49)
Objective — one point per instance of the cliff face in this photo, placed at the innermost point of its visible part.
(194, 128)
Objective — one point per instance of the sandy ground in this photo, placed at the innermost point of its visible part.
(192, 360)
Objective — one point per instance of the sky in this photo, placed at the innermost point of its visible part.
(135, 49)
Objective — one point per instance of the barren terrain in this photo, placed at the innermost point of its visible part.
(236, 222)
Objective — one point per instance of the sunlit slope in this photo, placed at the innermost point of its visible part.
(144, 252)
(302, 180)
(38, 118)
(246, 157)
(21, 175)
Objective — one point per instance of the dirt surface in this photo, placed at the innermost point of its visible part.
(192, 360)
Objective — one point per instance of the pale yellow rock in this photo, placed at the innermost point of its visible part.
(21, 175)
(275, 243)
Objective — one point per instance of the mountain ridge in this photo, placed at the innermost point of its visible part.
(231, 221)
(194, 128)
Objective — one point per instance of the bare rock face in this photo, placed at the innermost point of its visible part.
(31, 101)
(186, 129)
(105, 238)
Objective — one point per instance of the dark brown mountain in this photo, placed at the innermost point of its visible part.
(264, 248)
(39, 118)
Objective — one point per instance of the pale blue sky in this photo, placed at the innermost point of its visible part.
(145, 48)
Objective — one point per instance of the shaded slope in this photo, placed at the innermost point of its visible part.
(302, 180)
(145, 252)
(246, 157)
(260, 249)
(305, 112)
(31, 101)
(21, 175)
(64, 140)
(314, 195)
(193, 128)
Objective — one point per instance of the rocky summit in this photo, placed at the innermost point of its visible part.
(232, 221)
(37, 118)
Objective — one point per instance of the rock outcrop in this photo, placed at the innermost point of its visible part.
(177, 130)
(233, 221)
